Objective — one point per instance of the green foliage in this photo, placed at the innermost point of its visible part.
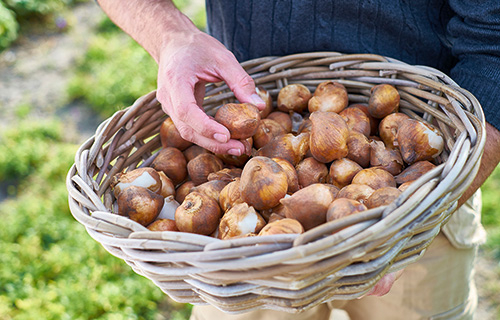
(113, 74)
(26, 147)
(8, 26)
(491, 213)
(51, 268)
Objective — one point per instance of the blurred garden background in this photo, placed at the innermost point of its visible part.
(64, 68)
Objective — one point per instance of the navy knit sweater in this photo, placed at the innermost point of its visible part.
(459, 37)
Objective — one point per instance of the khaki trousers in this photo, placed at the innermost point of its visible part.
(440, 285)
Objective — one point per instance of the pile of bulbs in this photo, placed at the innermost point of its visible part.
(312, 159)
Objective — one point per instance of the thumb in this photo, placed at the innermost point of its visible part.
(241, 84)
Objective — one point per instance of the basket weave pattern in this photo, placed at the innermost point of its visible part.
(285, 272)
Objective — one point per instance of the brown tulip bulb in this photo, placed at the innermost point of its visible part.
(266, 131)
(230, 195)
(388, 128)
(172, 162)
(358, 192)
(374, 177)
(263, 183)
(240, 220)
(342, 171)
(405, 185)
(293, 97)
(311, 171)
(266, 97)
(329, 96)
(226, 174)
(284, 119)
(167, 186)
(211, 188)
(163, 225)
(359, 148)
(414, 171)
(419, 141)
(291, 174)
(356, 120)
(198, 213)
(309, 204)
(194, 151)
(329, 134)
(182, 190)
(343, 207)
(382, 197)
(386, 158)
(282, 226)
(374, 122)
(141, 177)
(200, 167)
(288, 146)
(384, 99)
(241, 119)
(139, 204)
(170, 136)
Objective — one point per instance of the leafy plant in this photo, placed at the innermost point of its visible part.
(8, 26)
(113, 74)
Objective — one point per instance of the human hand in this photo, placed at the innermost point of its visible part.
(186, 63)
(385, 284)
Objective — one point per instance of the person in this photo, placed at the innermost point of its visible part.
(460, 38)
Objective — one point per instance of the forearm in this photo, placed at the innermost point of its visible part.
(152, 23)
(489, 161)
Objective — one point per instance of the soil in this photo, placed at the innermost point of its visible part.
(35, 72)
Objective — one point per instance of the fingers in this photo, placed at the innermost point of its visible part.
(196, 126)
(240, 83)
(385, 284)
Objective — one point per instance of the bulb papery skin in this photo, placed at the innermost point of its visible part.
(329, 135)
(263, 183)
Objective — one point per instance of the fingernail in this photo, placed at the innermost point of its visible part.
(256, 99)
(220, 137)
(234, 152)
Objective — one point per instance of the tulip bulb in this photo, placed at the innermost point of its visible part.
(384, 99)
(329, 96)
(382, 197)
(140, 204)
(141, 177)
(356, 120)
(374, 177)
(288, 146)
(342, 171)
(240, 220)
(419, 141)
(263, 183)
(414, 171)
(311, 171)
(386, 158)
(293, 97)
(389, 126)
(343, 207)
(309, 204)
(198, 213)
(172, 162)
(200, 167)
(170, 136)
(329, 134)
(282, 226)
(241, 119)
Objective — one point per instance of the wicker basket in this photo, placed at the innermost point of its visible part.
(285, 272)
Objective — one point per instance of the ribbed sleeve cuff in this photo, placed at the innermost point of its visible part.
(481, 76)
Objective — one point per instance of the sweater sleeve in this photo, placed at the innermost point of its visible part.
(475, 39)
